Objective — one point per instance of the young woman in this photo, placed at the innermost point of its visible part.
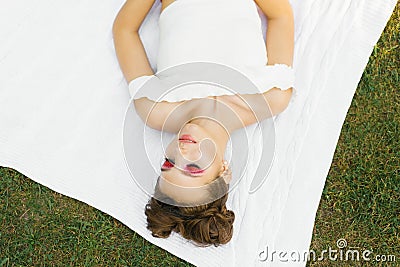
(195, 171)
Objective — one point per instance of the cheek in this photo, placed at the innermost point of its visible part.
(208, 148)
(170, 147)
(208, 152)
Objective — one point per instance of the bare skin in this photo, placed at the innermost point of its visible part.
(231, 111)
(134, 63)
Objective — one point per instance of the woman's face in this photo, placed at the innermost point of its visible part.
(193, 158)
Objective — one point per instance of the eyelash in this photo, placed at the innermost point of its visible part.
(187, 168)
(168, 164)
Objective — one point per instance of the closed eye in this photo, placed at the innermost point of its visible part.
(193, 169)
(168, 164)
(190, 169)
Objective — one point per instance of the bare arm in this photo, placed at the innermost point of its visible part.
(280, 31)
(280, 46)
(129, 48)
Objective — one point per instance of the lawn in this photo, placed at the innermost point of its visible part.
(360, 201)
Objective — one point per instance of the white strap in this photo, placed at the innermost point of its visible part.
(136, 83)
(278, 75)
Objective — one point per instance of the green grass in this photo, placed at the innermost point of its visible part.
(360, 201)
(361, 198)
(39, 227)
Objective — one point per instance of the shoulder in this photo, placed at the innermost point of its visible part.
(278, 99)
(154, 114)
(252, 108)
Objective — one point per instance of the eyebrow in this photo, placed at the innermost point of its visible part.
(184, 173)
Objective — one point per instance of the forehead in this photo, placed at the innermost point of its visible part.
(181, 194)
(189, 196)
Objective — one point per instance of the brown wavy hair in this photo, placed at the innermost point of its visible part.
(205, 225)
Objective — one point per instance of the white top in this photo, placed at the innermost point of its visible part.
(194, 31)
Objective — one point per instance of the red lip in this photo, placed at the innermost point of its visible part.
(187, 138)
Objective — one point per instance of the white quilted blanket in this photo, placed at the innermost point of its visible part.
(63, 99)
